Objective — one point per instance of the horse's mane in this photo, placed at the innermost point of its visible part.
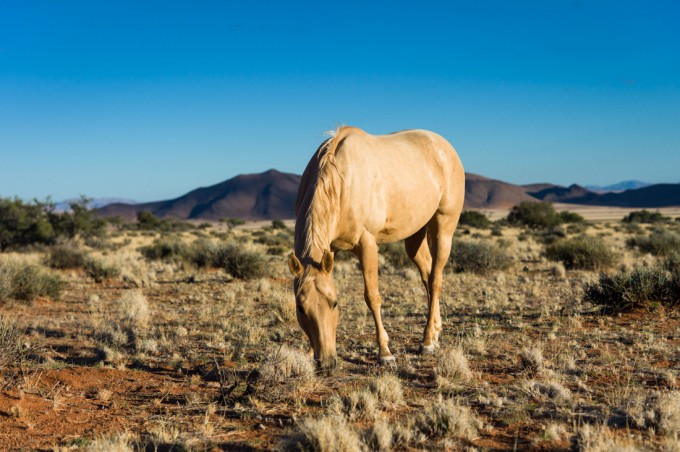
(326, 194)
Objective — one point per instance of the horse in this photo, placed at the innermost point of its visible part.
(359, 190)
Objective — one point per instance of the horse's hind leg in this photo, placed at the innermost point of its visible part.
(419, 252)
(441, 229)
(367, 252)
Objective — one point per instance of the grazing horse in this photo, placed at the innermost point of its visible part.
(359, 190)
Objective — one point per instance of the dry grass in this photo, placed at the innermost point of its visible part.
(190, 358)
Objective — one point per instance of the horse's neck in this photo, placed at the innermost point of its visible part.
(315, 233)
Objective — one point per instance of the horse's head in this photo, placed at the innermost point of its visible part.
(317, 306)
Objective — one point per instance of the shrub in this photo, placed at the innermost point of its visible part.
(642, 286)
(387, 389)
(474, 219)
(26, 282)
(99, 270)
(452, 367)
(239, 263)
(534, 215)
(284, 372)
(446, 417)
(12, 353)
(325, 434)
(658, 243)
(165, 249)
(582, 253)
(644, 216)
(65, 256)
(571, 217)
(478, 257)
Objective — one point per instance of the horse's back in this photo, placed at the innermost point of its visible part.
(397, 182)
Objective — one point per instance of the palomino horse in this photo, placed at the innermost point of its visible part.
(360, 190)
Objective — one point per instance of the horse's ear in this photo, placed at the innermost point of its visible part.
(295, 265)
(327, 261)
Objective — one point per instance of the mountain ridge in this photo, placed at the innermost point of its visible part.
(271, 196)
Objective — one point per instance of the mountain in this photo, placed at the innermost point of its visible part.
(271, 196)
(618, 187)
(557, 193)
(265, 196)
(482, 192)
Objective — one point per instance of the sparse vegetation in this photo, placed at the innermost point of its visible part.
(202, 360)
(581, 253)
(26, 282)
(659, 243)
(643, 286)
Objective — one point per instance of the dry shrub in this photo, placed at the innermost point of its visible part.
(284, 373)
(387, 388)
(659, 243)
(532, 358)
(658, 410)
(452, 367)
(643, 286)
(12, 353)
(99, 270)
(117, 442)
(65, 256)
(600, 439)
(551, 390)
(361, 405)
(447, 417)
(26, 282)
(380, 436)
(325, 434)
(135, 309)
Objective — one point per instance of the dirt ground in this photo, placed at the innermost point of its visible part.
(546, 371)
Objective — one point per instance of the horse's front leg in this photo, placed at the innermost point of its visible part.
(367, 252)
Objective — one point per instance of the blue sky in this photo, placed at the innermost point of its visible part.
(148, 100)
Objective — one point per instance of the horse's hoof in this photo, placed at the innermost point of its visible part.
(427, 349)
(387, 361)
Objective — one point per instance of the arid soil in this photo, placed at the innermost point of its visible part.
(166, 356)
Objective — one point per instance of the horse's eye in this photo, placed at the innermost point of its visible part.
(335, 304)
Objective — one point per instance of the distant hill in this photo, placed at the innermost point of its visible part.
(271, 196)
(618, 187)
(265, 196)
(482, 192)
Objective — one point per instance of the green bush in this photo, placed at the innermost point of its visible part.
(534, 215)
(641, 287)
(474, 219)
(478, 257)
(571, 217)
(581, 253)
(239, 263)
(23, 224)
(164, 249)
(26, 282)
(644, 216)
(658, 243)
(65, 256)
